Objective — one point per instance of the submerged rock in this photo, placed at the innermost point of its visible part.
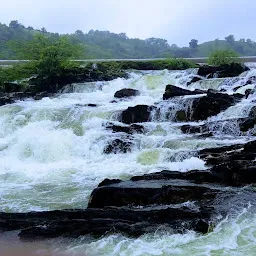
(126, 93)
(118, 146)
(133, 128)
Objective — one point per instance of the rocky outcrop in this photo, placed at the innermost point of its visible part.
(174, 91)
(126, 93)
(227, 70)
(153, 201)
(137, 114)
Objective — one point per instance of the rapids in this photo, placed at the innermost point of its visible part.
(51, 157)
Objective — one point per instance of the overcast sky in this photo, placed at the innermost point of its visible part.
(178, 21)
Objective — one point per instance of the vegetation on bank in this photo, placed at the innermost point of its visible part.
(106, 45)
(51, 62)
(223, 57)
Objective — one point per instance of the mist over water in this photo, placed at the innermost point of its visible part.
(51, 157)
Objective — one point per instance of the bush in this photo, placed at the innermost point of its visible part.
(223, 57)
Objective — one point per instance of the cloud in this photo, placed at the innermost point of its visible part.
(176, 20)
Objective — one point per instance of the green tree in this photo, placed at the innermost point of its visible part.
(193, 44)
(222, 57)
(230, 39)
(49, 56)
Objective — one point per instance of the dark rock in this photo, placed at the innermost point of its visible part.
(211, 105)
(207, 70)
(118, 146)
(248, 92)
(137, 114)
(141, 193)
(249, 122)
(194, 80)
(41, 95)
(251, 80)
(193, 128)
(126, 93)
(107, 182)
(227, 70)
(174, 91)
(98, 222)
(181, 116)
(6, 100)
(231, 70)
(133, 128)
(12, 87)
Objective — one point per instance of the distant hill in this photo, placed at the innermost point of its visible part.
(106, 45)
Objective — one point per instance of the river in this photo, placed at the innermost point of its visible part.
(52, 157)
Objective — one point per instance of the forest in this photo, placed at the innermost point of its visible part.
(107, 45)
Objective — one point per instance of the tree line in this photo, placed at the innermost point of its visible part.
(103, 44)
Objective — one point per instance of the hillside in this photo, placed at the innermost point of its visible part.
(106, 45)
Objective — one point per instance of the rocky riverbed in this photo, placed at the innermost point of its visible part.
(163, 152)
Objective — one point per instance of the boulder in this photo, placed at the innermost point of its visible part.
(211, 104)
(174, 91)
(137, 114)
(118, 146)
(126, 93)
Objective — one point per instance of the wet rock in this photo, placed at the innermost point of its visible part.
(249, 122)
(126, 93)
(211, 104)
(207, 70)
(192, 128)
(194, 80)
(251, 80)
(141, 193)
(118, 146)
(137, 114)
(248, 92)
(98, 222)
(133, 128)
(232, 70)
(12, 87)
(107, 182)
(6, 100)
(174, 91)
(181, 116)
(227, 70)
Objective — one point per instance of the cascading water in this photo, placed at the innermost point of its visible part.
(52, 158)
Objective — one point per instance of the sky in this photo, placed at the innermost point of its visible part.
(178, 21)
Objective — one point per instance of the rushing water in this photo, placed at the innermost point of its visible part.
(51, 157)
